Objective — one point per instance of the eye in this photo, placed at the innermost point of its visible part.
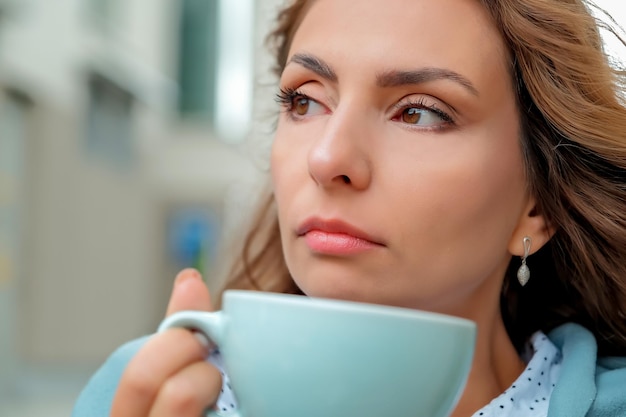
(423, 115)
(303, 106)
(298, 104)
(420, 117)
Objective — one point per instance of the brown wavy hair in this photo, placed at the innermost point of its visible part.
(572, 110)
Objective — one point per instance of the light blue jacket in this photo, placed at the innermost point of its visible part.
(588, 386)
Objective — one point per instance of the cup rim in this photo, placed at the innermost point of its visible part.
(346, 305)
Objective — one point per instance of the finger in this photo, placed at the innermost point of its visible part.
(189, 392)
(189, 293)
(164, 355)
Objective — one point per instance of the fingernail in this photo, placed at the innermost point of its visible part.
(186, 274)
(204, 341)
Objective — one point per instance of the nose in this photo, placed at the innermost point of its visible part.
(340, 157)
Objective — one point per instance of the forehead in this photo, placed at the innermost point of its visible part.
(458, 34)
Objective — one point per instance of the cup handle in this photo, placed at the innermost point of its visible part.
(211, 324)
(212, 413)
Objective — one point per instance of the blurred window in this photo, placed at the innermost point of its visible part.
(110, 123)
(101, 12)
(15, 110)
(192, 237)
(13, 131)
(198, 40)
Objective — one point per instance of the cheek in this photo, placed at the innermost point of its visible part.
(278, 167)
(487, 208)
(461, 203)
(280, 159)
(288, 169)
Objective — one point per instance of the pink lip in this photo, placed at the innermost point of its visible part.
(335, 237)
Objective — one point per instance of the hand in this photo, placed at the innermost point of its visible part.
(169, 376)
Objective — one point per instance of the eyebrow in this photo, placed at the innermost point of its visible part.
(316, 65)
(387, 79)
(423, 75)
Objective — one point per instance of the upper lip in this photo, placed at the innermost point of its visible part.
(336, 226)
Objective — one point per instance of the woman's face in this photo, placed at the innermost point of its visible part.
(396, 165)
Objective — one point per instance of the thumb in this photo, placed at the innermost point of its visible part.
(189, 293)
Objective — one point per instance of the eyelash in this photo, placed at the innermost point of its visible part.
(421, 104)
(286, 96)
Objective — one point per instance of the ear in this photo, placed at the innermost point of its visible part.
(533, 224)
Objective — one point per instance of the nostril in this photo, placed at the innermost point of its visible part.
(346, 179)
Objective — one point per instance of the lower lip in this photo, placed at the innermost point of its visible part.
(337, 243)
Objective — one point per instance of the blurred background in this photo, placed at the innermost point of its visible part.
(130, 146)
(134, 137)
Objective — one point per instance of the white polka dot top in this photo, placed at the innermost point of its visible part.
(530, 393)
(226, 403)
(528, 396)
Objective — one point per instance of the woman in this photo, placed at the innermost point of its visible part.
(456, 156)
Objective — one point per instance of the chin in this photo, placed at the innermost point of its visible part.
(346, 290)
(338, 290)
(369, 297)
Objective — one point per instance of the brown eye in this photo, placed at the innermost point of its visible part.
(301, 106)
(412, 115)
(425, 117)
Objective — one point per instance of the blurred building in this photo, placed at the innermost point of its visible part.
(133, 136)
(125, 153)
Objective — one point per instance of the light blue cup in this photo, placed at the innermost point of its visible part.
(293, 356)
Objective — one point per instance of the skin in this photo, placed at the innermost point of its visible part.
(445, 200)
(168, 376)
(445, 197)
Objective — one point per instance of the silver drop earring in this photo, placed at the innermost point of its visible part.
(523, 273)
